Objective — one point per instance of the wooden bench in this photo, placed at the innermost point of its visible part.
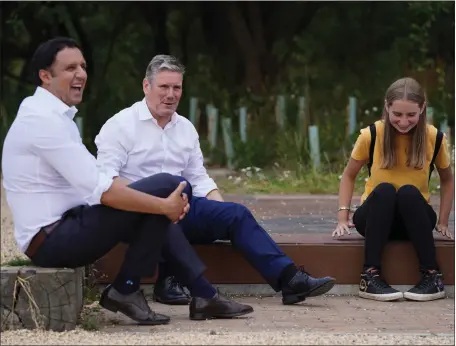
(319, 253)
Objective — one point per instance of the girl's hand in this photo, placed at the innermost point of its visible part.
(342, 228)
(443, 230)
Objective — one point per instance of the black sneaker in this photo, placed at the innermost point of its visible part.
(372, 286)
(429, 288)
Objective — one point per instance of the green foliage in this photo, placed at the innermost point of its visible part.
(244, 54)
(258, 151)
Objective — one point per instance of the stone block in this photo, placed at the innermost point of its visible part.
(45, 298)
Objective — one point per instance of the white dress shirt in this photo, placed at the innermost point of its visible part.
(46, 167)
(132, 145)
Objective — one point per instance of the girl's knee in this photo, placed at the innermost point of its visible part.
(385, 190)
(407, 191)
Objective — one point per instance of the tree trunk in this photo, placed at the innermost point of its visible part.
(247, 46)
(161, 40)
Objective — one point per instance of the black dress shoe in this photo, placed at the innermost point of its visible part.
(133, 305)
(303, 285)
(169, 291)
(217, 307)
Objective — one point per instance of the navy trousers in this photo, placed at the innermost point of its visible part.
(87, 233)
(210, 220)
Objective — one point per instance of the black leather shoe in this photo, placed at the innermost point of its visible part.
(169, 291)
(303, 285)
(217, 307)
(133, 305)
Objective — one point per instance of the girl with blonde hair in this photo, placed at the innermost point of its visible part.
(400, 151)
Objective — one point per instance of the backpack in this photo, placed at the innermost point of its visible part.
(373, 131)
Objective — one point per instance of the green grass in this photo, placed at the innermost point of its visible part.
(18, 262)
(274, 181)
(89, 319)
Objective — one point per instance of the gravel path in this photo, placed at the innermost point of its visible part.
(79, 337)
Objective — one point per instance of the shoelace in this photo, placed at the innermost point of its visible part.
(378, 282)
(427, 281)
(175, 284)
(303, 270)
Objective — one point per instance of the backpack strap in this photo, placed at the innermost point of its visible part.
(438, 144)
(373, 132)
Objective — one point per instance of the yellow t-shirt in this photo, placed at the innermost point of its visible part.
(400, 174)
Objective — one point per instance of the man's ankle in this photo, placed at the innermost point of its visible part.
(202, 288)
(371, 270)
(126, 287)
(288, 273)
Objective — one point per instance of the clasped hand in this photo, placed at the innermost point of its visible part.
(176, 206)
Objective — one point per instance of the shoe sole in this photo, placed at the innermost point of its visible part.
(317, 291)
(424, 297)
(199, 316)
(171, 302)
(113, 308)
(381, 297)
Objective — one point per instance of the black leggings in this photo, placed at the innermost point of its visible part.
(402, 215)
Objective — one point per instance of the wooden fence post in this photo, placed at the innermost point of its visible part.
(80, 124)
(302, 121)
(352, 104)
(280, 111)
(194, 116)
(212, 115)
(314, 143)
(227, 132)
(243, 123)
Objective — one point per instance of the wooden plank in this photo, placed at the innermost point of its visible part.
(318, 253)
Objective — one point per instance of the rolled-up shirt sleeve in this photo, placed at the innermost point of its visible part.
(196, 173)
(71, 159)
(111, 152)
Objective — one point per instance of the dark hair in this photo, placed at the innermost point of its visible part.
(45, 54)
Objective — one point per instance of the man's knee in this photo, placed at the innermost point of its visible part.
(161, 185)
(239, 212)
(188, 189)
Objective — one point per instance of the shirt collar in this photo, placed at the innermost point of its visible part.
(145, 114)
(55, 103)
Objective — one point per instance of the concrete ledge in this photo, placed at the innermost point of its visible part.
(41, 298)
(265, 290)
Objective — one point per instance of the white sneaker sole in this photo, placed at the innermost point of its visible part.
(382, 297)
(424, 297)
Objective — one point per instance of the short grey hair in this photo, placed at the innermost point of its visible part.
(163, 63)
